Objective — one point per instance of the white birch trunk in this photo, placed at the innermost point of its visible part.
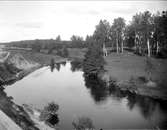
(136, 42)
(117, 42)
(148, 47)
(157, 49)
(140, 44)
(122, 49)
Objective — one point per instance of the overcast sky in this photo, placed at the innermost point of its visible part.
(44, 20)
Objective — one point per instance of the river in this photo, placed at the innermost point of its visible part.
(79, 96)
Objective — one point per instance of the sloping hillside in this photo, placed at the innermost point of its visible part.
(14, 64)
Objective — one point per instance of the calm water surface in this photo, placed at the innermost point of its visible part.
(78, 96)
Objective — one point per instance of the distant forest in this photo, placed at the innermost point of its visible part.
(146, 34)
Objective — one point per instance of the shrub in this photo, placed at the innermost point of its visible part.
(51, 108)
(63, 52)
(83, 123)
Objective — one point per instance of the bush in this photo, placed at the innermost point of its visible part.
(63, 52)
(83, 123)
(51, 108)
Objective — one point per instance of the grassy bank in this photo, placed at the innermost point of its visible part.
(127, 65)
(129, 71)
(23, 63)
(41, 58)
(76, 53)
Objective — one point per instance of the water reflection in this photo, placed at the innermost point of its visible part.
(58, 66)
(97, 88)
(76, 65)
(54, 65)
(63, 63)
(147, 106)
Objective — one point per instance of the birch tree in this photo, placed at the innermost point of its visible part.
(119, 29)
(101, 33)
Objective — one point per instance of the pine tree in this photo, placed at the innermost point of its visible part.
(94, 61)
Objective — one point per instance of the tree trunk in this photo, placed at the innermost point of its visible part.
(157, 49)
(122, 46)
(140, 50)
(135, 42)
(148, 47)
(117, 42)
(140, 46)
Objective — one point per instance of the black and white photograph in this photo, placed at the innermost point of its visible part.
(83, 65)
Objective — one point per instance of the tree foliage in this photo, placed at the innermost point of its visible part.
(58, 38)
(117, 30)
(149, 30)
(77, 41)
(48, 110)
(101, 33)
(94, 61)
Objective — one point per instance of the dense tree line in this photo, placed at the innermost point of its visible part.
(146, 34)
(49, 44)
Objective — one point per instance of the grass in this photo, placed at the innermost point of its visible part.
(127, 65)
(130, 72)
(76, 53)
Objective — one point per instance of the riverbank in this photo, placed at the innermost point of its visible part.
(129, 72)
(15, 67)
(20, 63)
(40, 58)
